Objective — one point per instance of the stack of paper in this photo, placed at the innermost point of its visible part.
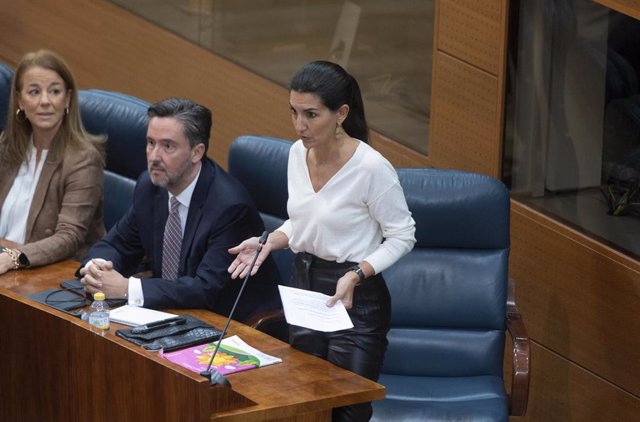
(135, 315)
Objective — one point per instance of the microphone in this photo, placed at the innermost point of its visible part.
(216, 377)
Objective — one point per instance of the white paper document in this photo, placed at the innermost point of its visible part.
(135, 315)
(309, 309)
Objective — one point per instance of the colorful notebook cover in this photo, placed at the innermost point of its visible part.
(234, 355)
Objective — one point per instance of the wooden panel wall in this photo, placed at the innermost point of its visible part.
(109, 48)
(627, 7)
(579, 301)
(565, 392)
(467, 85)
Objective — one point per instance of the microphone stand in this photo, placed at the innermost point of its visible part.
(216, 377)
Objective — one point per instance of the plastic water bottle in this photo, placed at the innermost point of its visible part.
(99, 313)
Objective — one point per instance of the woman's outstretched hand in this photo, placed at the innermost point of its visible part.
(245, 252)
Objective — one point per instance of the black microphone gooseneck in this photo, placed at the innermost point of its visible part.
(214, 376)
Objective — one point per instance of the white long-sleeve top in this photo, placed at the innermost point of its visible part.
(348, 219)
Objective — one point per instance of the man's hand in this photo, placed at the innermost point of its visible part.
(101, 277)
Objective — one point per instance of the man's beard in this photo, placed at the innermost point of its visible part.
(165, 180)
(161, 181)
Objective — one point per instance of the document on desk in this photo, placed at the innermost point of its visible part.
(135, 315)
(309, 309)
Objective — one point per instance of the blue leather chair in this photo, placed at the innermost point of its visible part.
(451, 296)
(260, 164)
(118, 197)
(123, 119)
(6, 74)
(450, 308)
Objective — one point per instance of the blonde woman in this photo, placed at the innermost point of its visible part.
(51, 169)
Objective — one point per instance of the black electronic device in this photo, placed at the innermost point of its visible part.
(169, 322)
(62, 300)
(75, 285)
(179, 333)
(216, 377)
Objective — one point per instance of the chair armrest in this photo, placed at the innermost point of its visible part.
(260, 319)
(519, 395)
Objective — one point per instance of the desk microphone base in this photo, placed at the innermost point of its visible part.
(216, 378)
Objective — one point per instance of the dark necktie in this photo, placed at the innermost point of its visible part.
(172, 242)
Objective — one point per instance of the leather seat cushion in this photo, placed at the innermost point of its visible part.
(480, 398)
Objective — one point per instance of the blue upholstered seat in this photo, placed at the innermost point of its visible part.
(123, 119)
(449, 298)
(260, 164)
(118, 197)
(449, 295)
(6, 73)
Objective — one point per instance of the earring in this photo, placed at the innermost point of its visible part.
(66, 110)
(20, 112)
(339, 131)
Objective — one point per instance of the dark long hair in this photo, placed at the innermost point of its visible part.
(335, 87)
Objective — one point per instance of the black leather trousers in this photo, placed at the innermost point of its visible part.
(360, 349)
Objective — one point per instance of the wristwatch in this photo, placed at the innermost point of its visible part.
(20, 260)
(356, 269)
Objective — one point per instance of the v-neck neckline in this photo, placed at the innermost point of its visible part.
(334, 176)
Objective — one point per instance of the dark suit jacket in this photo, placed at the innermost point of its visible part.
(221, 215)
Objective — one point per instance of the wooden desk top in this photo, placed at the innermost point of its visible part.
(301, 384)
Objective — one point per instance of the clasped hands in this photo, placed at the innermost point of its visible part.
(99, 276)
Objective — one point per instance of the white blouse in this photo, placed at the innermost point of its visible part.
(348, 219)
(15, 210)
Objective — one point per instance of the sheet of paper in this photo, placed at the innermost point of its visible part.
(135, 315)
(309, 309)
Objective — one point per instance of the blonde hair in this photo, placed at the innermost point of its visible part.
(71, 134)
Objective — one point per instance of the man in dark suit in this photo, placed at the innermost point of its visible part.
(186, 213)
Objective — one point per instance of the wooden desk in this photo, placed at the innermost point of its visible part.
(53, 368)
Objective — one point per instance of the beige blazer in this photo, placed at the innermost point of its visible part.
(65, 217)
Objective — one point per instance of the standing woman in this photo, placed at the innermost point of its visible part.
(51, 169)
(348, 221)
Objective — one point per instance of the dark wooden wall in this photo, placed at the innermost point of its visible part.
(468, 85)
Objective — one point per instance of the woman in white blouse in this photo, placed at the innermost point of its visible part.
(51, 169)
(348, 221)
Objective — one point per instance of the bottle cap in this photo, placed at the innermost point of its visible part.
(98, 296)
